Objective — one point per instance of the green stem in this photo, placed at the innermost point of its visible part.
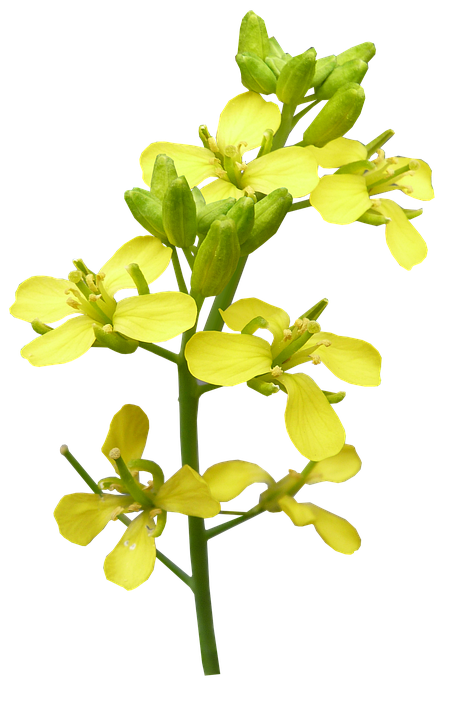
(303, 112)
(177, 269)
(167, 354)
(287, 115)
(188, 409)
(80, 470)
(189, 257)
(233, 523)
(222, 301)
(299, 205)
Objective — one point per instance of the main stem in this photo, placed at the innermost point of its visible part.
(188, 409)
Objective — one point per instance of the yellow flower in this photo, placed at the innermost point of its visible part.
(82, 516)
(230, 359)
(348, 194)
(226, 480)
(242, 124)
(147, 318)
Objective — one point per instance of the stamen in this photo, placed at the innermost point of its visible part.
(73, 303)
(154, 512)
(94, 298)
(277, 371)
(215, 161)
(134, 507)
(393, 161)
(376, 203)
(241, 144)
(213, 145)
(89, 279)
(325, 343)
(221, 174)
(118, 511)
(408, 189)
(73, 291)
(381, 156)
(100, 277)
(241, 166)
(248, 190)
(316, 359)
(390, 171)
(287, 335)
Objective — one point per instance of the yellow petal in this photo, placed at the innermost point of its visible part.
(187, 493)
(219, 190)
(311, 422)
(245, 118)
(228, 479)
(42, 297)
(334, 530)
(238, 315)
(420, 182)
(131, 562)
(354, 361)
(341, 199)
(150, 254)
(294, 168)
(405, 243)
(340, 152)
(338, 468)
(63, 344)
(196, 163)
(82, 516)
(128, 432)
(156, 317)
(224, 359)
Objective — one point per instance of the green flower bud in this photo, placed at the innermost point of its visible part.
(164, 173)
(114, 341)
(352, 71)
(296, 78)
(179, 214)
(334, 398)
(371, 217)
(253, 36)
(275, 64)
(207, 214)
(216, 258)
(198, 198)
(243, 215)
(323, 68)
(255, 74)
(147, 209)
(269, 214)
(336, 117)
(365, 52)
(276, 50)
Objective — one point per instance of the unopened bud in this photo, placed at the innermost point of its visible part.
(255, 74)
(269, 214)
(147, 210)
(179, 214)
(276, 64)
(336, 117)
(323, 68)
(296, 78)
(350, 72)
(208, 213)
(243, 215)
(253, 36)
(216, 258)
(365, 51)
(164, 172)
(114, 341)
(275, 50)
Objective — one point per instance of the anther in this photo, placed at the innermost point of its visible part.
(94, 298)
(316, 360)
(325, 343)
(408, 189)
(241, 166)
(134, 507)
(241, 144)
(100, 277)
(277, 371)
(154, 512)
(381, 156)
(287, 334)
(118, 511)
(114, 454)
(221, 174)
(73, 303)
(376, 203)
(89, 279)
(248, 190)
(213, 145)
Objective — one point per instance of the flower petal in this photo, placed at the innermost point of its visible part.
(405, 243)
(420, 182)
(225, 359)
(341, 199)
(219, 190)
(150, 254)
(187, 493)
(340, 152)
(156, 317)
(82, 516)
(132, 560)
(334, 530)
(128, 432)
(311, 422)
(338, 468)
(228, 479)
(42, 297)
(354, 361)
(294, 168)
(196, 163)
(238, 315)
(63, 344)
(245, 118)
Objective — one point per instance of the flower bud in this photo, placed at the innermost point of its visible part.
(269, 214)
(275, 64)
(253, 36)
(216, 258)
(336, 117)
(323, 68)
(364, 51)
(208, 213)
(275, 50)
(198, 198)
(147, 210)
(243, 215)
(296, 77)
(255, 74)
(164, 173)
(114, 341)
(179, 214)
(352, 71)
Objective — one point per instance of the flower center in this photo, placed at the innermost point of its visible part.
(89, 297)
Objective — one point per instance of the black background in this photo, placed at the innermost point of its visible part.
(273, 585)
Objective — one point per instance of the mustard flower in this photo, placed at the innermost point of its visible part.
(82, 516)
(228, 479)
(243, 123)
(148, 318)
(349, 194)
(230, 359)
